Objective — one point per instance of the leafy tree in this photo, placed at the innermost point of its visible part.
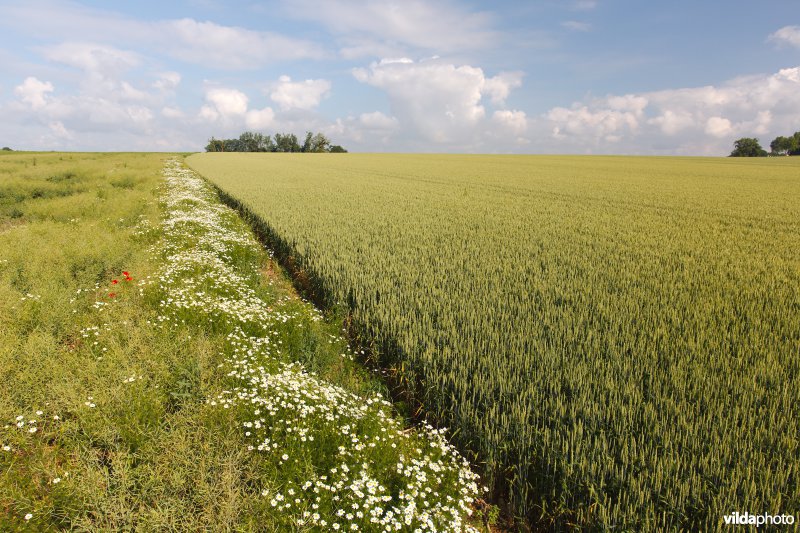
(747, 147)
(319, 143)
(336, 149)
(783, 145)
(282, 142)
(307, 143)
(795, 149)
(255, 142)
(286, 142)
(7, 149)
(215, 145)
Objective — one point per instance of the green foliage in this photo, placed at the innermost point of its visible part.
(786, 145)
(747, 147)
(283, 142)
(286, 142)
(615, 338)
(315, 143)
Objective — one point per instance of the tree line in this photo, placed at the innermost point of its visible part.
(750, 147)
(282, 142)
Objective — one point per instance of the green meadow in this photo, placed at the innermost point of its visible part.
(615, 341)
(158, 372)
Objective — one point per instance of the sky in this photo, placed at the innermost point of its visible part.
(535, 76)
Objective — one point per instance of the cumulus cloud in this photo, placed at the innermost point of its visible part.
(499, 87)
(305, 94)
(672, 122)
(59, 130)
(259, 119)
(223, 104)
(788, 35)
(439, 101)
(686, 120)
(515, 122)
(718, 127)
(34, 92)
(65, 115)
(377, 121)
(605, 119)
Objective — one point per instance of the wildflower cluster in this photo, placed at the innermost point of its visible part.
(343, 461)
(25, 425)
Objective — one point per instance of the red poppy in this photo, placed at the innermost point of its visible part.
(112, 294)
(114, 281)
(126, 274)
(129, 278)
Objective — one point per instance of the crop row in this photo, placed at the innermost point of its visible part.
(617, 340)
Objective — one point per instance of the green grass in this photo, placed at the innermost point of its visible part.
(617, 339)
(115, 406)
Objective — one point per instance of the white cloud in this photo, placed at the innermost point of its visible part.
(787, 35)
(58, 129)
(34, 92)
(224, 103)
(700, 120)
(499, 87)
(259, 119)
(377, 121)
(514, 122)
(356, 47)
(604, 119)
(438, 26)
(167, 81)
(172, 112)
(438, 101)
(229, 47)
(718, 127)
(672, 122)
(228, 109)
(91, 57)
(575, 25)
(202, 42)
(305, 94)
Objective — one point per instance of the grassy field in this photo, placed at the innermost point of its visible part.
(616, 339)
(158, 371)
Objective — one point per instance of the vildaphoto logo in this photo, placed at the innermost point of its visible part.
(746, 519)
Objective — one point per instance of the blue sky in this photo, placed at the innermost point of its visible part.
(573, 76)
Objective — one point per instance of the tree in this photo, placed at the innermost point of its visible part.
(215, 145)
(286, 142)
(336, 149)
(783, 145)
(795, 149)
(307, 143)
(255, 142)
(747, 147)
(319, 143)
(283, 142)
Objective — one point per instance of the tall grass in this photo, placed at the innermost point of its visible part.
(118, 399)
(617, 339)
